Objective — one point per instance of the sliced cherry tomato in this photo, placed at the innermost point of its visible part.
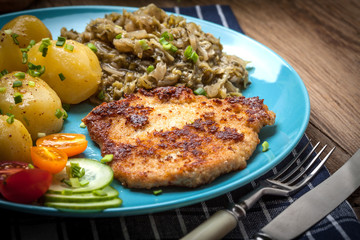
(9, 168)
(26, 186)
(71, 143)
(50, 159)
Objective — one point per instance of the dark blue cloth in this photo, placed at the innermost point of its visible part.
(339, 224)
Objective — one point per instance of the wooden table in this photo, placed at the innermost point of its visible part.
(320, 39)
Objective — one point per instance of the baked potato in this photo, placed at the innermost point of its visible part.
(15, 140)
(72, 70)
(32, 102)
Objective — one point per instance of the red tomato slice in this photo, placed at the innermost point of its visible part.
(9, 168)
(71, 143)
(50, 159)
(26, 186)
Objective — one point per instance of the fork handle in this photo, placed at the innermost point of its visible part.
(218, 225)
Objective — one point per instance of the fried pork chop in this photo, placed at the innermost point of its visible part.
(169, 136)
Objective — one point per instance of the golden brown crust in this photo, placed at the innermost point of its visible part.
(169, 136)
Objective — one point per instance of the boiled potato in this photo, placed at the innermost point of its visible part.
(80, 68)
(15, 141)
(40, 109)
(10, 54)
(28, 28)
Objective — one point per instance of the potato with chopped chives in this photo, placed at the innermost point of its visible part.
(27, 28)
(72, 69)
(10, 54)
(32, 102)
(15, 140)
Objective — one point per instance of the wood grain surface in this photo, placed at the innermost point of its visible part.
(319, 38)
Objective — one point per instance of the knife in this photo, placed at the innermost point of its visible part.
(315, 204)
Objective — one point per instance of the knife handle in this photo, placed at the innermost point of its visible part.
(217, 226)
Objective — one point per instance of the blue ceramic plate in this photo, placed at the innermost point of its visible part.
(272, 79)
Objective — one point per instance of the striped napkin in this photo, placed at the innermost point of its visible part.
(339, 224)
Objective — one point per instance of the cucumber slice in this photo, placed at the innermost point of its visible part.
(116, 202)
(82, 197)
(98, 174)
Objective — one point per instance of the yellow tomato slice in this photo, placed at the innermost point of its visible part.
(71, 143)
(50, 159)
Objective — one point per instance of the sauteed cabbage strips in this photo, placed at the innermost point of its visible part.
(149, 48)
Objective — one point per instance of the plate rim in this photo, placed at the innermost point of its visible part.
(136, 210)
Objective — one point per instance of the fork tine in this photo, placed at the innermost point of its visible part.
(295, 170)
(284, 169)
(301, 173)
(314, 171)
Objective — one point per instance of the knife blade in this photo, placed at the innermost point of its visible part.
(315, 204)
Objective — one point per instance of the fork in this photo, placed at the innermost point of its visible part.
(286, 182)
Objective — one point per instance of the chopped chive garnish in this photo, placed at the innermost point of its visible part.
(4, 72)
(118, 36)
(31, 43)
(99, 192)
(45, 43)
(66, 106)
(190, 54)
(167, 46)
(173, 48)
(24, 57)
(58, 113)
(157, 192)
(107, 158)
(35, 70)
(10, 119)
(163, 41)
(61, 41)
(265, 146)
(65, 115)
(84, 182)
(188, 51)
(144, 44)
(66, 181)
(170, 47)
(200, 91)
(32, 66)
(8, 31)
(76, 171)
(20, 75)
(82, 125)
(61, 76)
(69, 47)
(40, 134)
(30, 166)
(92, 47)
(17, 83)
(150, 68)
(14, 36)
(44, 52)
(31, 83)
(101, 95)
(167, 36)
(2, 89)
(75, 182)
(17, 97)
